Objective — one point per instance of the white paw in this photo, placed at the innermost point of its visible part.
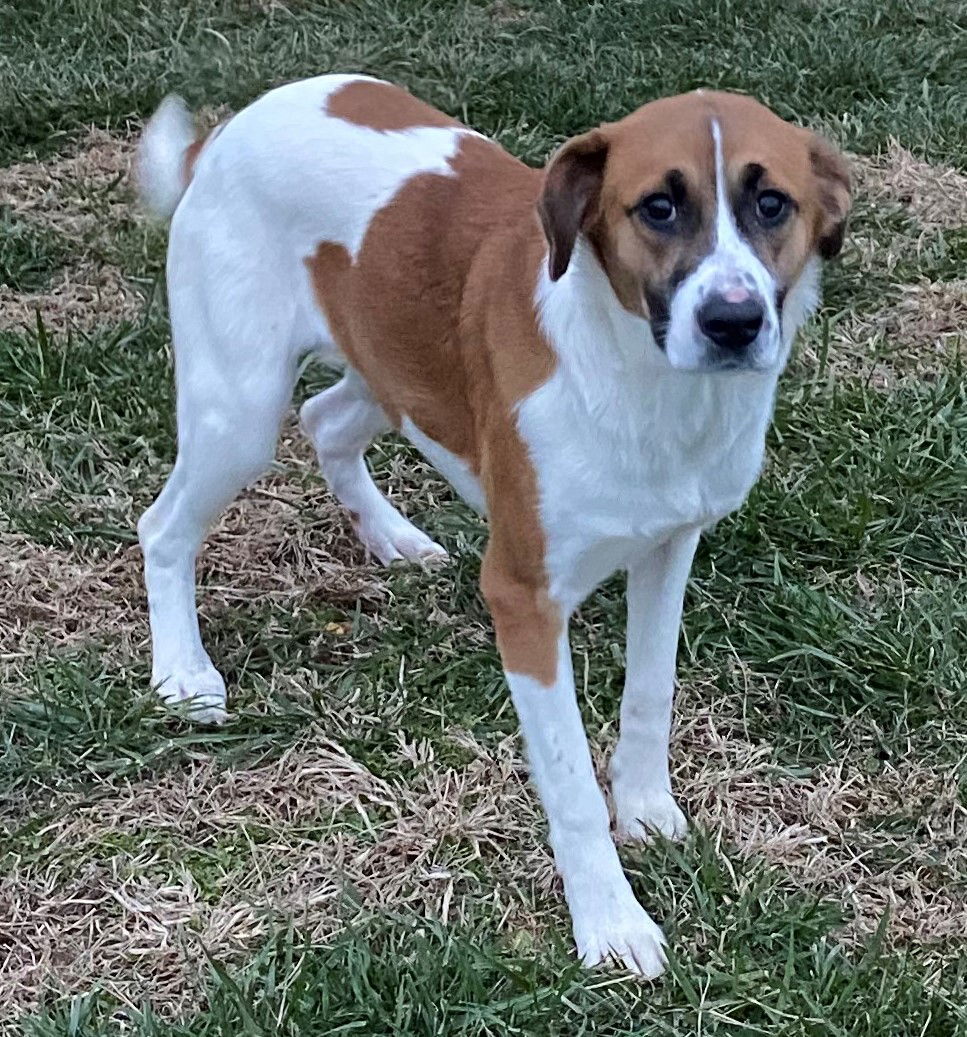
(201, 691)
(640, 813)
(611, 926)
(398, 541)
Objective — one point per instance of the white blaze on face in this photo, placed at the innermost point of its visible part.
(733, 270)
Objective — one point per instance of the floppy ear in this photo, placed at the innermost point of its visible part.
(832, 173)
(569, 199)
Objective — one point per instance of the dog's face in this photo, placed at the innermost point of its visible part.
(706, 210)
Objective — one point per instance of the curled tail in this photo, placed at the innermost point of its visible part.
(166, 156)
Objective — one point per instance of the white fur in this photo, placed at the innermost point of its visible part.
(633, 455)
(640, 782)
(608, 921)
(161, 156)
(280, 177)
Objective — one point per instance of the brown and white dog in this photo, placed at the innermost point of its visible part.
(589, 353)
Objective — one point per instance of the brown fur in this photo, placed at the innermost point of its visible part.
(194, 149)
(432, 315)
(382, 106)
(437, 310)
(191, 157)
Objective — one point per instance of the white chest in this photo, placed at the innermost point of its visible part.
(616, 477)
(628, 450)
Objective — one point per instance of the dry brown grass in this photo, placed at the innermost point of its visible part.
(303, 836)
(917, 328)
(316, 836)
(934, 195)
(128, 916)
(261, 550)
(917, 336)
(822, 829)
(83, 197)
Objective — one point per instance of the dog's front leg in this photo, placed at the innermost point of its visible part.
(532, 636)
(639, 770)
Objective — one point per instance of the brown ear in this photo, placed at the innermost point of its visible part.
(831, 171)
(569, 199)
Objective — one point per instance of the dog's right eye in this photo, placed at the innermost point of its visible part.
(657, 210)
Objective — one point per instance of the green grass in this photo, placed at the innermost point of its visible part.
(29, 257)
(825, 622)
(553, 70)
(414, 977)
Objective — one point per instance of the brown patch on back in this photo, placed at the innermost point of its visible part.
(382, 106)
(437, 314)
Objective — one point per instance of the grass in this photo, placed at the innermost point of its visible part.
(358, 851)
(28, 259)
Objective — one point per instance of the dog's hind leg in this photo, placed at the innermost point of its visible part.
(342, 422)
(233, 387)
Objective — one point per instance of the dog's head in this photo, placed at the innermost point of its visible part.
(706, 211)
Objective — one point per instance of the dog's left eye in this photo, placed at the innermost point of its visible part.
(772, 207)
(658, 210)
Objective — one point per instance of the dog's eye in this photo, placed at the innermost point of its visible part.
(657, 210)
(772, 207)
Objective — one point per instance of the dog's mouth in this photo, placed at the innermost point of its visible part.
(659, 332)
(659, 315)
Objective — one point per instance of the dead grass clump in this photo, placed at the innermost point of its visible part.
(915, 328)
(314, 835)
(929, 314)
(263, 549)
(918, 334)
(84, 294)
(84, 198)
(824, 830)
(934, 195)
(70, 192)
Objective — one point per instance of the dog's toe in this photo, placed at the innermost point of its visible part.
(401, 542)
(200, 694)
(625, 937)
(639, 814)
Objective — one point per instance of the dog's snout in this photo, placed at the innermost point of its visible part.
(731, 325)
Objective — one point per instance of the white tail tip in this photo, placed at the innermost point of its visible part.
(161, 157)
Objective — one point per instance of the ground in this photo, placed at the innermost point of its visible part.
(357, 850)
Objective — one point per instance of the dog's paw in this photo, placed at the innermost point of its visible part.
(399, 541)
(640, 813)
(199, 693)
(615, 929)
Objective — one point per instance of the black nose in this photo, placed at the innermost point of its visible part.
(730, 325)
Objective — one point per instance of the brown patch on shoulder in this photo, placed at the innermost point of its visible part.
(382, 106)
(437, 314)
(428, 311)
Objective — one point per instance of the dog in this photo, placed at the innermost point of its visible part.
(589, 353)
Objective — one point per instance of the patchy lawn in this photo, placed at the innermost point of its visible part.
(357, 850)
